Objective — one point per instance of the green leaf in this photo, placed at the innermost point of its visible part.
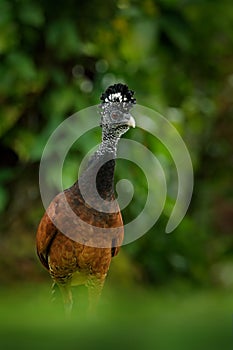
(62, 35)
(22, 66)
(4, 197)
(31, 13)
(8, 117)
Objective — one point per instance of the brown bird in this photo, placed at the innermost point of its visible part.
(82, 229)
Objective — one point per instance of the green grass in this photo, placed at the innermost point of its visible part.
(160, 320)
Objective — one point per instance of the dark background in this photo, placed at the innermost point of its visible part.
(56, 58)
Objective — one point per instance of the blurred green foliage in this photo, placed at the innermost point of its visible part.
(160, 320)
(56, 59)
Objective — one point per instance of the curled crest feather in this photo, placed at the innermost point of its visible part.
(119, 94)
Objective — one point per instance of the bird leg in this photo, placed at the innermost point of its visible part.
(53, 292)
(94, 286)
(67, 298)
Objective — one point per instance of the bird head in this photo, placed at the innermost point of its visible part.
(117, 101)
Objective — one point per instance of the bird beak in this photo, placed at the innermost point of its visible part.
(131, 122)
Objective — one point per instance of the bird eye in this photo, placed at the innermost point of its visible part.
(115, 115)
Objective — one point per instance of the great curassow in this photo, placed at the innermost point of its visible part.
(82, 229)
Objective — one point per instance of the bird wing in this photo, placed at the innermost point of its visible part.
(58, 215)
(45, 235)
(118, 240)
(115, 251)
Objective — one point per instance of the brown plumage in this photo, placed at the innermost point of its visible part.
(82, 229)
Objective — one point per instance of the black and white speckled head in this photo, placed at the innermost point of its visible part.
(117, 101)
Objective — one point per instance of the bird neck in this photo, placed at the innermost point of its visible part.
(105, 156)
(99, 174)
(108, 145)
